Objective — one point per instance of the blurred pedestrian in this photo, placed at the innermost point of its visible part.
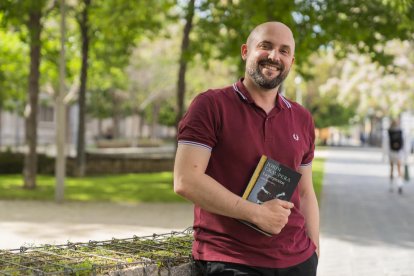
(396, 155)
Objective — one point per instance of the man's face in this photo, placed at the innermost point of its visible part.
(269, 55)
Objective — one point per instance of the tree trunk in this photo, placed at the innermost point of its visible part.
(100, 128)
(185, 44)
(141, 115)
(155, 114)
(80, 151)
(60, 163)
(30, 161)
(116, 116)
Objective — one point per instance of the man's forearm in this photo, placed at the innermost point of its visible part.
(210, 195)
(310, 210)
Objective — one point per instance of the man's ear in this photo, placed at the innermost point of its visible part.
(244, 51)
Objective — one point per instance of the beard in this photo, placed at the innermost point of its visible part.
(264, 82)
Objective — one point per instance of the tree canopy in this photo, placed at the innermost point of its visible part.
(342, 28)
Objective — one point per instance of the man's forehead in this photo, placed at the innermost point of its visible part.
(272, 32)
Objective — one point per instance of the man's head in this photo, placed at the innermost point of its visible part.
(269, 54)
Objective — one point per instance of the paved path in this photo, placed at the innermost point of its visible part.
(32, 223)
(366, 230)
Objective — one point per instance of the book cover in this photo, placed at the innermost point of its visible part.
(270, 180)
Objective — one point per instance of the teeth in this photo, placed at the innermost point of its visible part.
(271, 67)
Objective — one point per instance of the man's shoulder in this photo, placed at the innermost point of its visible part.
(298, 108)
(217, 92)
(215, 96)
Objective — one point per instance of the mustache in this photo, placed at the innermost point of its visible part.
(277, 64)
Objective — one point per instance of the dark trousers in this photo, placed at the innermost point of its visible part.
(203, 268)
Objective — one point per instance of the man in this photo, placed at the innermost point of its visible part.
(221, 138)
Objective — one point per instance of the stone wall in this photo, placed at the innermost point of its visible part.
(154, 270)
(12, 163)
(117, 164)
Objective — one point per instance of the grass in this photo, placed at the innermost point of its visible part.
(142, 187)
(318, 172)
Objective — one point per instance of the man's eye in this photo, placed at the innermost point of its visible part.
(265, 46)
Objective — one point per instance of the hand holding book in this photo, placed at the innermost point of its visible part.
(271, 180)
(273, 216)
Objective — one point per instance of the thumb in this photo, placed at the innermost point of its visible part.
(286, 204)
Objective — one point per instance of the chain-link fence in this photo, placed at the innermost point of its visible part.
(158, 254)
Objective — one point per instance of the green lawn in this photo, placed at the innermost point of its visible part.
(318, 166)
(148, 187)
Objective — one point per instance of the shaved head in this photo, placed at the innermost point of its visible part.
(269, 53)
(279, 27)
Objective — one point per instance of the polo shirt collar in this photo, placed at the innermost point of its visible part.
(241, 90)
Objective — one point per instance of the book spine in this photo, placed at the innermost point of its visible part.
(254, 177)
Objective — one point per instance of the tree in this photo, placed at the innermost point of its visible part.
(149, 83)
(183, 60)
(13, 72)
(60, 164)
(373, 89)
(112, 47)
(29, 14)
(84, 29)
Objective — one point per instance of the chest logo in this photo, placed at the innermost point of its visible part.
(295, 136)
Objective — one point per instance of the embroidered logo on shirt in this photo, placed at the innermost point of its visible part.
(295, 136)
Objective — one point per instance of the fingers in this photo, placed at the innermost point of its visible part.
(274, 215)
(285, 204)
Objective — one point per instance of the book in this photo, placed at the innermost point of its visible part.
(270, 180)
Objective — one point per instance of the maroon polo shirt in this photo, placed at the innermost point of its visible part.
(237, 132)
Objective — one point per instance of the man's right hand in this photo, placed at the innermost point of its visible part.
(272, 215)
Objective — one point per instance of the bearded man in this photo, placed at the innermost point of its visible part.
(220, 140)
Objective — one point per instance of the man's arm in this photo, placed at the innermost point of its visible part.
(191, 182)
(309, 205)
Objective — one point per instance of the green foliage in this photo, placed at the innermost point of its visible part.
(143, 187)
(116, 29)
(13, 70)
(11, 163)
(315, 24)
(167, 114)
(345, 24)
(329, 113)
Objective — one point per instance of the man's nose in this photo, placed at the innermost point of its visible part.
(274, 55)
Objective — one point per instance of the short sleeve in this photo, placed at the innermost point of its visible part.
(200, 124)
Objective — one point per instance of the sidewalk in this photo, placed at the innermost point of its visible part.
(365, 229)
(31, 223)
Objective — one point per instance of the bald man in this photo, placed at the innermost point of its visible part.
(220, 141)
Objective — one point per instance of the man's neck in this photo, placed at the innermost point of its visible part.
(266, 99)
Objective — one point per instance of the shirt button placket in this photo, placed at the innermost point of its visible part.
(266, 126)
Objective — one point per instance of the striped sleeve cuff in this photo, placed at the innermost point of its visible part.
(191, 143)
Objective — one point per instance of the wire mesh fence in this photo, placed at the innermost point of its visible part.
(161, 252)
